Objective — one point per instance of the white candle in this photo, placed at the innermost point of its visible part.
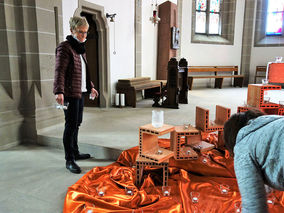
(122, 99)
(117, 99)
(166, 193)
(224, 191)
(194, 199)
(159, 152)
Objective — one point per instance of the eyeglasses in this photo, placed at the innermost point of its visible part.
(82, 32)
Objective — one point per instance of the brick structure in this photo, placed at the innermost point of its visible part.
(255, 96)
(255, 99)
(141, 162)
(148, 143)
(181, 138)
(203, 123)
(150, 153)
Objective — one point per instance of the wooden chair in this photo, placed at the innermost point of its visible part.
(260, 72)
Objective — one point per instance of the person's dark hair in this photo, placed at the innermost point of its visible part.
(234, 124)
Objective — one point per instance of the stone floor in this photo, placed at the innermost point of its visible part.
(34, 179)
(117, 128)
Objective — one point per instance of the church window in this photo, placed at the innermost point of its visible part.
(269, 23)
(208, 17)
(213, 21)
(274, 21)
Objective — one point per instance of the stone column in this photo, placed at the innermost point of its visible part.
(138, 38)
(247, 39)
(27, 35)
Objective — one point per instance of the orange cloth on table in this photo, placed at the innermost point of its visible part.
(275, 73)
(204, 175)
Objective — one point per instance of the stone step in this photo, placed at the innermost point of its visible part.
(96, 151)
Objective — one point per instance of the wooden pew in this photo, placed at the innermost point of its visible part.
(130, 86)
(231, 72)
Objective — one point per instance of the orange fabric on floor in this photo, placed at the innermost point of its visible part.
(204, 175)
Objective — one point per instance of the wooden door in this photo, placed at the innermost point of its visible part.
(92, 57)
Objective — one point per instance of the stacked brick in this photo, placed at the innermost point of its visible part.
(255, 99)
(205, 125)
(185, 140)
(150, 153)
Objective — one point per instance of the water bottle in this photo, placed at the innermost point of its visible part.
(92, 97)
(62, 107)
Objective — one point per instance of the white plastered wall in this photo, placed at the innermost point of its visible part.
(122, 63)
(262, 55)
(149, 39)
(210, 54)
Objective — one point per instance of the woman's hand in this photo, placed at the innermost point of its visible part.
(59, 99)
(94, 93)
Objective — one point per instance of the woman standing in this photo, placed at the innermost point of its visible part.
(71, 83)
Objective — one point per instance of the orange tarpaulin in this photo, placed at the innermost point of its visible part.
(204, 176)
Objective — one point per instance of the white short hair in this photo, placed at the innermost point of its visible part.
(77, 21)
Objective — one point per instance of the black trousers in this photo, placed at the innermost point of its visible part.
(73, 119)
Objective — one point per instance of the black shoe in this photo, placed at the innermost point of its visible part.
(82, 156)
(73, 167)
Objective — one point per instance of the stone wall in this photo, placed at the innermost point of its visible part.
(29, 33)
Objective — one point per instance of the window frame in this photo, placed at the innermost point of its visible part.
(207, 15)
(267, 12)
(261, 39)
(226, 36)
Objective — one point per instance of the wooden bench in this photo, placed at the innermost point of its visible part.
(130, 86)
(260, 72)
(231, 70)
